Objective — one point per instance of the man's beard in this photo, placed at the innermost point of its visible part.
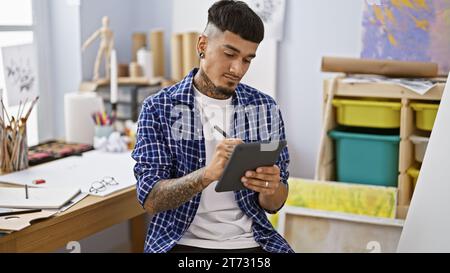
(221, 91)
(227, 92)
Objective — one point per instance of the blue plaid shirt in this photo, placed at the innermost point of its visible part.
(161, 154)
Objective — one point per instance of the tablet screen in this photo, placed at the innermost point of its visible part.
(248, 157)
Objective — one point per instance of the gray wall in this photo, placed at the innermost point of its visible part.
(121, 15)
(155, 14)
(313, 29)
(64, 34)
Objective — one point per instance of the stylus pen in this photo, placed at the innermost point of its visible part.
(221, 131)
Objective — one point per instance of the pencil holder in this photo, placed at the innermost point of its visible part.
(14, 148)
(103, 131)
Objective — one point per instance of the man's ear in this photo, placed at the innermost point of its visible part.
(202, 44)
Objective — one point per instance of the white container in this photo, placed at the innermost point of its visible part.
(420, 144)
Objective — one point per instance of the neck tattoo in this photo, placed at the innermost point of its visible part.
(204, 84)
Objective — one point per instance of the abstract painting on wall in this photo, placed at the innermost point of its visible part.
(408, 30)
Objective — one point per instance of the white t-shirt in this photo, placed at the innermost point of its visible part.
(219, 222)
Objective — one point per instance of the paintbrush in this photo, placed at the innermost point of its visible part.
(15, 157)
(18, 110)
(20, 114)
(31, 108)
(21, 148)
(4, 111)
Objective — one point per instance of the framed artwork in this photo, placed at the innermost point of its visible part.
(272, 14)
(20, 73)
(408, 30)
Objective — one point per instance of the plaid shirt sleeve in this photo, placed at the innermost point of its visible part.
(151, 153)
(283, 160)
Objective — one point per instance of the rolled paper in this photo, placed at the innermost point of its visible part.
(157, 49)
(122, 70)
(177, 57)
(135, 70)
(139, 41)
(389, 68)
(146, 62)
(190, 56)
(78, 109)
(114, 84)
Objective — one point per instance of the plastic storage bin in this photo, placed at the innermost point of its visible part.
(414, 173)
(425, 115)
(368, 113)
(366, 158)
(420, 146)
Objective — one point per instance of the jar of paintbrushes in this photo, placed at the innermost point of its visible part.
(13, 133)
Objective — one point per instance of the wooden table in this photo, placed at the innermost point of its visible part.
(89, 216)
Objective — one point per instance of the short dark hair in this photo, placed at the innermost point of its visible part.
(237, 17)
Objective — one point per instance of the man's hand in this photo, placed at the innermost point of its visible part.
(266, 180)
(221, 156)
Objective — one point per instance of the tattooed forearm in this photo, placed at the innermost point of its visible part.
(172, 193)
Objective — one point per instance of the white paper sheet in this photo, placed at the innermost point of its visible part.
(80, 172)
(419, 86)
(41, 198)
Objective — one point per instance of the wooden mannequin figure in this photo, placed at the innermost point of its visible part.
(106, 45)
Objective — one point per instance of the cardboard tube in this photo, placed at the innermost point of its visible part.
(380, 67)
(123, 70)
(139, 41)
(190, 57)
(135, 70)
(177, 57)
(157, 48)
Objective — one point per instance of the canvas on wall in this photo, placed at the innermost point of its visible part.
(408, 30)
(20, 75)
(272, 14)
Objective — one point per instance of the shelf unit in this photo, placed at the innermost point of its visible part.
(132, 92)
(326, 162)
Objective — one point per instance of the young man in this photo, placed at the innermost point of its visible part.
(180, 156)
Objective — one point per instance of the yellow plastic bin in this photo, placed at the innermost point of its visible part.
(425, 115)
(414, 173)
(368, 113)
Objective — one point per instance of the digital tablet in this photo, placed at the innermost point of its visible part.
(247, 157)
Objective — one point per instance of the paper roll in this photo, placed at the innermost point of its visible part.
(114, 83)
(144, 59)
(177, 57)
(123, 70)
(78, 108)
(379, 67)
(139, 41)
(157, 49)
(190, 56)
(135, 70)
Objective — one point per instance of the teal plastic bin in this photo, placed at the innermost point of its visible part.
(366, 158)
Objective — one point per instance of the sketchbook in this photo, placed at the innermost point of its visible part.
(42, 198)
